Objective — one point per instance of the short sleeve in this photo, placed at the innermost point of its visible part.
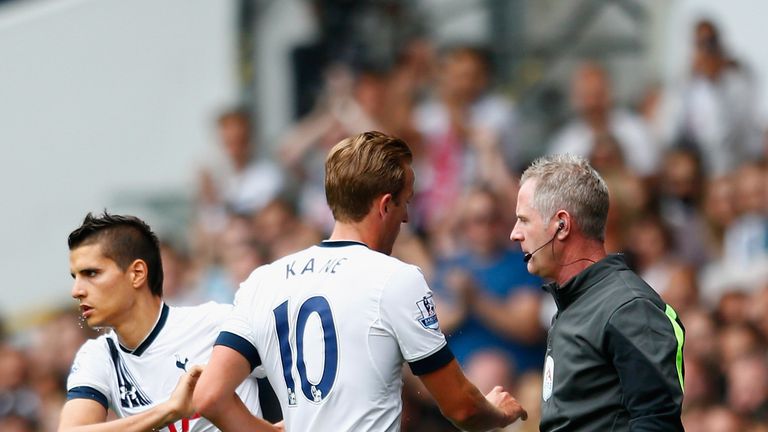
(89, 377)
(408, 313)
(237, 332)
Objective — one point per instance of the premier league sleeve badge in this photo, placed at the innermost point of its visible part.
(428, 312)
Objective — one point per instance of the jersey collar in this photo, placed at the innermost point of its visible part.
(152, 335)
(340, 243)
(569, 292)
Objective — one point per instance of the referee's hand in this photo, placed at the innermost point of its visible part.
(508, 405)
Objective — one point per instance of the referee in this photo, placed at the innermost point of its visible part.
(614, 358)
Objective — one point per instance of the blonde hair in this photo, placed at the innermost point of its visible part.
(360, 168)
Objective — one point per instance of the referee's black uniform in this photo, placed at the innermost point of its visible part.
(614, 355)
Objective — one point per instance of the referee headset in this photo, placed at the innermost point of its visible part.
(560, 225)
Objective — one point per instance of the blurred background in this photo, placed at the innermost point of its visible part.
(210, 119)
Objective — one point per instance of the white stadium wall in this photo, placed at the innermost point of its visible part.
(99, 99)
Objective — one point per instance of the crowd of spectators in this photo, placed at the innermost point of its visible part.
(688, 177)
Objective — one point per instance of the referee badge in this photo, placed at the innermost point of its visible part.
(549, 377)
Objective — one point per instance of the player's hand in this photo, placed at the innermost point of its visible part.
(507, 404)
(181, 398)
(280, 426)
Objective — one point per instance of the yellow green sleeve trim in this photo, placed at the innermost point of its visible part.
(680, 336)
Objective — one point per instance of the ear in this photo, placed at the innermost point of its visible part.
(384, 203)
(138, 272)
(564, 220)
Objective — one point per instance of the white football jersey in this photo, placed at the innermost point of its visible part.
(332, 325)
(131, 382)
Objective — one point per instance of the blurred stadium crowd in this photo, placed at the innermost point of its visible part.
(687, 168)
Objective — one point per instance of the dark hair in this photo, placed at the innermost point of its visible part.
(711, 43)
(123, 239)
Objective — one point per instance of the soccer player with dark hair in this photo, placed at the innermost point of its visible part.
(134, 369)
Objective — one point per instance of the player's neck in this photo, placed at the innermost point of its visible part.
(139, 321)
(355, 231)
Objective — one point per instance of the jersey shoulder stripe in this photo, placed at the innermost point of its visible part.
(86, 392)
(239, 344)
(433, 362)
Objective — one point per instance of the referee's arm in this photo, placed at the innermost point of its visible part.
(645, 345)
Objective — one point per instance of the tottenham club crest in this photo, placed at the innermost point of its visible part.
(428, 313)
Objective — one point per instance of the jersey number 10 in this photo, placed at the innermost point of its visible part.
(314, 392)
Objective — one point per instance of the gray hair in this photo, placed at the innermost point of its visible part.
(568, 182)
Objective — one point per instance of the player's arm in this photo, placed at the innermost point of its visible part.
(463, 404)
(215, 395)
(645, 345)
(89, 414)
(409, 314)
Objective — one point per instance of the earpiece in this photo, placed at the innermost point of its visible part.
(528, 255)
